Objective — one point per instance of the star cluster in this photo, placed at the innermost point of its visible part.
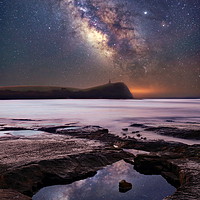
(150, 45)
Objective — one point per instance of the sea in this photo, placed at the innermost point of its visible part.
(112, 114)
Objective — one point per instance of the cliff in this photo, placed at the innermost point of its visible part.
(108, 91)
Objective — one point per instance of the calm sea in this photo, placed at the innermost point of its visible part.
(111, 114)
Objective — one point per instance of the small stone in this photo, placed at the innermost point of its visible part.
(135, 132)
(124, 186)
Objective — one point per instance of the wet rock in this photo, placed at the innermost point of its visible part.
(95, 133)
(8, 128)
(179, 166)
(28, 165)
(124, 186)
(134, 132)
(129, 160)
(176, 132)
(125, 129)
(28, 120)
(171, 131)
(73, 130)
(82, 130)
(53, 129)
(73, 153)
(168, 120)
(8, 194)
(155, 164)
(138, 135)
(138, 125)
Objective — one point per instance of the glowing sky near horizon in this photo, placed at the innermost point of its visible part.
(153, 46)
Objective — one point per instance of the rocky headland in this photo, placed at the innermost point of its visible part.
(108, 91)
(66, 153)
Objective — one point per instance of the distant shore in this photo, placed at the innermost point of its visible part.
(108, 91)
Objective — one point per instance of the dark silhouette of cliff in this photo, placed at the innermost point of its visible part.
(108, 91)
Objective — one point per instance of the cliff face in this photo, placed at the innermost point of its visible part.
(108, 91)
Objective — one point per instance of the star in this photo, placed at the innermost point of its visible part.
(145, 12)
(164, 24)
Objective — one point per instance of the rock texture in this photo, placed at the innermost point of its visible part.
(171, 131)
(181, 168)
(28, 164)
(27, 179)
(8, 194)
(176, 132)
(68, 153)
(124, 186)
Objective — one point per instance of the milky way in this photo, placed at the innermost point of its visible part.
(109, 28)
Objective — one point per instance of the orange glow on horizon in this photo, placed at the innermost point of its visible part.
(147, 92)
(142, 91)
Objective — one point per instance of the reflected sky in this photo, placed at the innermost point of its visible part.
(104, 185)
(20, 133)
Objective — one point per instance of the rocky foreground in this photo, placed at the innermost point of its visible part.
(65, 154)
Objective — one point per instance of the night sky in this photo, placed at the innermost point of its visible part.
(151, 45)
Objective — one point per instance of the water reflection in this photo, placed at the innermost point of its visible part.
(104, 185)
(20, 133)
